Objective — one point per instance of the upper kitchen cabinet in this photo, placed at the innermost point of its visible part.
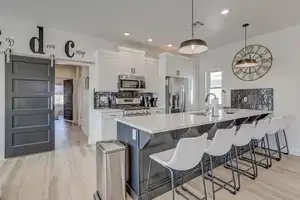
(175, 65)
(107, 67)
(151, 75)
(131, 61)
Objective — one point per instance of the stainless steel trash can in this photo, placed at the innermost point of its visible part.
(110, 166)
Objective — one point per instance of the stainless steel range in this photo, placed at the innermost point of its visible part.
(131, 107)
(136, 111)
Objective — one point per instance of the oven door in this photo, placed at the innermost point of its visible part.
(129, 85)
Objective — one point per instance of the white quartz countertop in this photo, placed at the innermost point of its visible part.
(168, 122)
(105, 110)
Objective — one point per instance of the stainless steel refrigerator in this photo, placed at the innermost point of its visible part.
(176, 94)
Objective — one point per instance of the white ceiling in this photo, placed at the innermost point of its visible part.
(165, 21)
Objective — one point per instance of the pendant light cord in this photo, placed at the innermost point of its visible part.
(245, 37)
(192, 19)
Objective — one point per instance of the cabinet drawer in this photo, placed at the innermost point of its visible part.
(112, 115)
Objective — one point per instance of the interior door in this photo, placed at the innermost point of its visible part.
(29, 107)
(68, 100)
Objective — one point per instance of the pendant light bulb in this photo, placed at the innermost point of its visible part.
(193, 46)
(246, 62)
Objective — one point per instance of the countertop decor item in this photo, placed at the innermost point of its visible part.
(193, 46)
(252, 62)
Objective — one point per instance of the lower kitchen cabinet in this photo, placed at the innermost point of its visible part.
(108, 126)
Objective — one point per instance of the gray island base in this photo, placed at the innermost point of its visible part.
(146, 135)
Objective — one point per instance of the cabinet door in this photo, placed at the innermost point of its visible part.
(131, 64)
(179, 67)
(139, 65)
(108, 78)
(125, 63)
(109, 126)
(151, 75)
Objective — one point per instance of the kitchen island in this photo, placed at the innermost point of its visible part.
(145, 135)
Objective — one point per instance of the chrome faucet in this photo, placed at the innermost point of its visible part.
(208, 95)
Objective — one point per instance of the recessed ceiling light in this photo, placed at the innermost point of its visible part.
(150, 40)
(127, 34)
(225, 11)
(170, 45)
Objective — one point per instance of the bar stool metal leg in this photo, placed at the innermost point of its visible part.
(188, 191)
(278, 147)
(269, 150)
(222, 184)
(286, 144)
(172, 181)
(266, 155)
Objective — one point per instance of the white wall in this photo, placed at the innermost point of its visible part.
(84, 101)
(284, 76)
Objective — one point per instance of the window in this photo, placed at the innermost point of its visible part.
(214, 85)
(59, 94)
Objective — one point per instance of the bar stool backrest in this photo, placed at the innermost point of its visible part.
(276, 124)
(244, 135)
(261, 129)
(222, 142)
(188, 153)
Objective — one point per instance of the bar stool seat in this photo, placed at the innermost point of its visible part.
(163, 157)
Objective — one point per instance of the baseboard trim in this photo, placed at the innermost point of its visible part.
(295, 152)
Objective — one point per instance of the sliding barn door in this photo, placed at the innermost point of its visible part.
(29, 122)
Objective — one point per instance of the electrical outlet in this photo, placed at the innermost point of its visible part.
(134, 134)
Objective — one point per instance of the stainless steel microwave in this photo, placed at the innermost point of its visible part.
(131, 83)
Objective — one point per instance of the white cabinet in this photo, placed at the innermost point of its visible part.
(130, 63)
(108, 68)
(151, 75)
(178, 66)
(109, 65)
(156, 111)
(109, 125)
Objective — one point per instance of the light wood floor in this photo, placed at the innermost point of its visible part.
(70, 174)
(68, 135)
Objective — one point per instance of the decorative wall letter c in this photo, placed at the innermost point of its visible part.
(69, 44)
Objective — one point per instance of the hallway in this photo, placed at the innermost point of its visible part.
(68, 135)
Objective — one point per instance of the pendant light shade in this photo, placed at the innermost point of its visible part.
(193, 46)
(247, 61)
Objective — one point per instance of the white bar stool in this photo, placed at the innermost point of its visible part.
(187, 155)
(221, 146)
(242, 139)
(277, 125)
(260, 130)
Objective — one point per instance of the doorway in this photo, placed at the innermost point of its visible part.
(68, 129)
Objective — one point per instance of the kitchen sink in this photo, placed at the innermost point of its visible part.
(199, 113)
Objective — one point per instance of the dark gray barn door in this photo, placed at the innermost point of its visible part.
(68, 100)
(29, 125)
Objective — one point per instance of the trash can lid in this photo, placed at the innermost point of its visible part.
(111, 146)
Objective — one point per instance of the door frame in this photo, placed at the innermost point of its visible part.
(91, 66)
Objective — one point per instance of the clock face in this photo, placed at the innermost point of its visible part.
(263, 57)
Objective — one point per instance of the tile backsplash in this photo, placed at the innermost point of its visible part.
(257, 99)
(104, 99)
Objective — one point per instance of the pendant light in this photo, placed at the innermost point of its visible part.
(193, 46)
(246, 62)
